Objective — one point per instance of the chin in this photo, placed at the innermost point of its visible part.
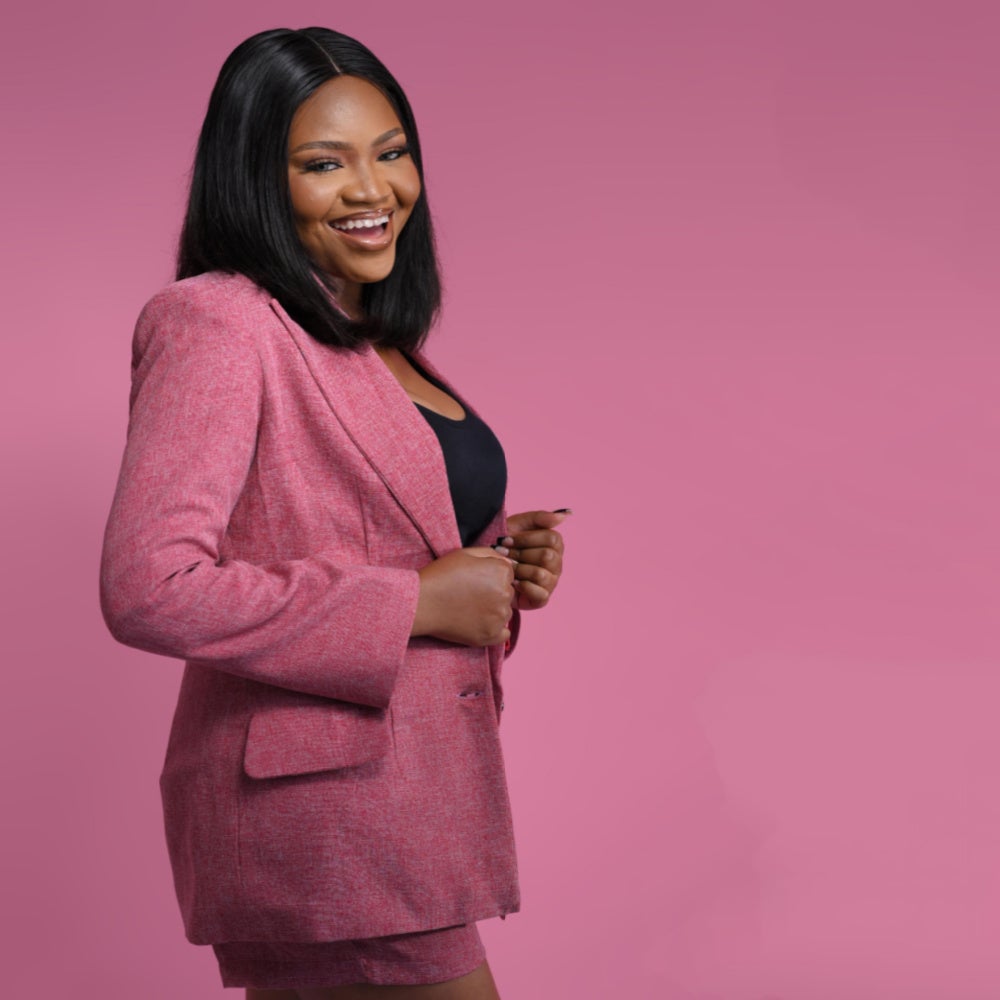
(369, 275)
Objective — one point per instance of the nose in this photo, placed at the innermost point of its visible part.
(366, 185)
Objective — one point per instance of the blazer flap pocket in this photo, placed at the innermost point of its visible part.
(301, 739)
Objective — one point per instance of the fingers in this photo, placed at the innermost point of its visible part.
(531, 538)
(537, 575)
(537, 566)
(540, 565)
(466, 600)
(485, 552)
(550, 558)
(531, 596)
(541, 539)
(537, 551)
(534, 583)
(509, 565)
(531, 519)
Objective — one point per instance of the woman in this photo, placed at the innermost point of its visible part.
(311, 517)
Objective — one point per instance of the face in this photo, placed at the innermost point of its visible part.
(353, 183)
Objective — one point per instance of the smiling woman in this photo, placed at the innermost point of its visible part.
(288, 112)
(353, 184)
(311, 517)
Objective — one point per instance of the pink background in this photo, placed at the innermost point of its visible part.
(723, 276)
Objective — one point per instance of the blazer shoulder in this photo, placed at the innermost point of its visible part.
(211, 307)
(213, 293)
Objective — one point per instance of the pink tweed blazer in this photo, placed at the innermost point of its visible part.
(326, 776)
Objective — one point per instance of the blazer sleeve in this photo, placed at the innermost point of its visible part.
(307, 624)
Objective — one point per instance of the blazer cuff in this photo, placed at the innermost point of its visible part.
(368, 642)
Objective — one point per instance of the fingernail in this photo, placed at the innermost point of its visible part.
(563, 510)
(502, 549)
(504, 540)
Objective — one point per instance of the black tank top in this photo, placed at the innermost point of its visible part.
(477, 467)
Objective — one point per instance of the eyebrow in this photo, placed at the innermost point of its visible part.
(331, 144)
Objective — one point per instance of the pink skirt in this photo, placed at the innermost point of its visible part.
(400, 960)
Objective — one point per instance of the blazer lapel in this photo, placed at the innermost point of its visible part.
(382, 421)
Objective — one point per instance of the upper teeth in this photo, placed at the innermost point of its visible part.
(370, 223)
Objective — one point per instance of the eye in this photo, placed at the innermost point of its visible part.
(395, 154)
(321, 166)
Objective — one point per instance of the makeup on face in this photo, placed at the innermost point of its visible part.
(352, 181)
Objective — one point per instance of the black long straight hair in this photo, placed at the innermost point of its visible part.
(239, 215)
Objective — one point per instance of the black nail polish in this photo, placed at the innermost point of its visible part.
(563, 510)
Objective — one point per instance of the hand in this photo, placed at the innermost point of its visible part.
(466, 597)
(537, 550)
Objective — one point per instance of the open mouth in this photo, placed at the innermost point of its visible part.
(368, 230)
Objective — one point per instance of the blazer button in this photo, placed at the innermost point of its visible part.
(501, 706)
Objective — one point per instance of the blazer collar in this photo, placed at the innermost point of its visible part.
(387, 428)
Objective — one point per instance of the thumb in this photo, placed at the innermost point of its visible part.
(531, 519)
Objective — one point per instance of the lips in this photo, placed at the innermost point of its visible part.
(368, 230)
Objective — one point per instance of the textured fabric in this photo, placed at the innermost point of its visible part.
(326, 776)
(400, 960)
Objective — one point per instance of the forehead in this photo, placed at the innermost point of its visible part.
(345, 108)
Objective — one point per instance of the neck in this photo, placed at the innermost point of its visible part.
(349, 299)
(347, 296)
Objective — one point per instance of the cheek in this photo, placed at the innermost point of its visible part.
(408, 187)
(407, 192)
(308, 202)
(312, 233)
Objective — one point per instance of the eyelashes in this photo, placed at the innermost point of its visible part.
(396, 153)
(328, 165)
(321, 166)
